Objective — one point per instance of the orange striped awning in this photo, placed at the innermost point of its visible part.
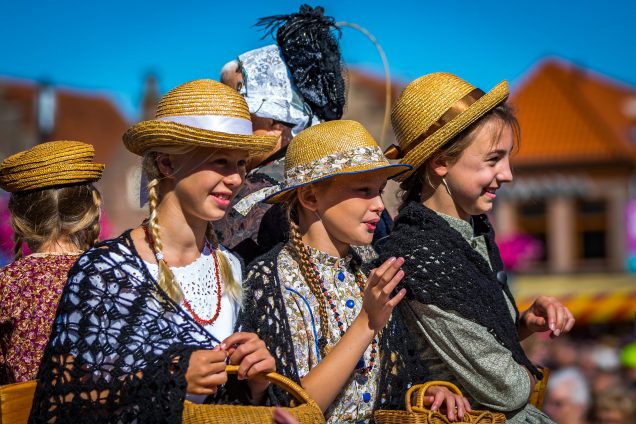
(592, 299)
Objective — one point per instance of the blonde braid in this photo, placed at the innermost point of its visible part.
(230, 284)
(299, 250)
(166, 278)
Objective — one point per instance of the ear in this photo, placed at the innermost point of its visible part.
(307, 197)
(438, 165)
(164, 164)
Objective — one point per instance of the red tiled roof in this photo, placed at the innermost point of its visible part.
(572, 116)
(90, 118)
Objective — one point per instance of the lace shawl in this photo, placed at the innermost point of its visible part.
(119, 347)
(442, 269)
(264, 313)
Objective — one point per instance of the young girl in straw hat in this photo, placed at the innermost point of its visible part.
(459, 315)
(308, 299)
(54, 210)
(147, 317)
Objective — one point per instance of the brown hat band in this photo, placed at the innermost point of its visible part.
(395, 152)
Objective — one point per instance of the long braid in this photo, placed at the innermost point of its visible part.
(229, 283)
(166, 278)
(92, 233)
(308, 274)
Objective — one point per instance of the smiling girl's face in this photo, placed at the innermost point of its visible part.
(480, 171)
(349, 207)
(205, 181)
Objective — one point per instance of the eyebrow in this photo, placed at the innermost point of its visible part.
(498, 151)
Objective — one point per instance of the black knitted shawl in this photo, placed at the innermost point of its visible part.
(265, 314)
(442, 269)
(119, 348)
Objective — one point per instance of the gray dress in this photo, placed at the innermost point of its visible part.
(465, 353)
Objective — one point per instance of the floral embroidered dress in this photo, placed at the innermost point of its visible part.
(280, 307)
(355, 402)
(30, 290)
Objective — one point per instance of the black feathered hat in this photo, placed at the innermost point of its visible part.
(311, 52)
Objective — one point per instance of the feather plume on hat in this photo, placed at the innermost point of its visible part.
(312, 54)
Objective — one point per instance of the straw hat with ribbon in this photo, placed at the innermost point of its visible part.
(432, 110)
(329, 149)
(56, 163)
(200, 113)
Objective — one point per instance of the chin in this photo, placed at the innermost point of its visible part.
(362, 240)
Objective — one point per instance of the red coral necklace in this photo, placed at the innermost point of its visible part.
(186, 303)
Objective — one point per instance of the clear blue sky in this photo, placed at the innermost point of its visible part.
(109, 46)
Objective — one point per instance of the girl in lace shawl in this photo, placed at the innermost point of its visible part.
(309, 300)
(146, 319)
(55, 211)
(459, 321)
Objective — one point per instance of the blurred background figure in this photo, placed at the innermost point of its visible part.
(568, 398)
(614, 406)
(55, 211)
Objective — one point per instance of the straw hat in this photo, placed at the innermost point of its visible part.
(432, 110)
(200, 113)
(329, 149)
(51, 164)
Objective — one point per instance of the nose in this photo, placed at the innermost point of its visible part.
(504, 174)
(377, 205)
(233, 179)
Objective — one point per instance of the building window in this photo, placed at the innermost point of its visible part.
(591, 229)
(532, 221)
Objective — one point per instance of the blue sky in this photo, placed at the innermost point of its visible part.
(109, 46)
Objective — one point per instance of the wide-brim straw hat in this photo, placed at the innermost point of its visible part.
(52, 164)
(432, 110)
(200, 113)
(329, 149)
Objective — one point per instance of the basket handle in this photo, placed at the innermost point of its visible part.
(280, 380)
(421, 391)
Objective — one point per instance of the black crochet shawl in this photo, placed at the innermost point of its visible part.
(119, 348)
(264, 313)
(442, 269)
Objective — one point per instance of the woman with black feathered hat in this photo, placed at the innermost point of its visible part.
(288, 86)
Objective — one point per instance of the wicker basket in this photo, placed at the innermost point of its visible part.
(15, 402)
(419, 414)
(307, 412)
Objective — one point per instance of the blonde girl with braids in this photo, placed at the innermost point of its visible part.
(310, 299)
(54, 211)
(147, 319)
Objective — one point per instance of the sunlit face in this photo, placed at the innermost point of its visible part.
(270, 127)
(480, 170)
(206, 180)
(349, 207)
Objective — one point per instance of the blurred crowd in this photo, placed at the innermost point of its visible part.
(593, 375)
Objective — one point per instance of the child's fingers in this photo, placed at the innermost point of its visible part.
(388, 276)
(396, 299)
(388, 288)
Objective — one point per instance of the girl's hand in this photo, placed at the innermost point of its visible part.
(281, 416)
(377, 302)
(250, 353)
(546, 313)
(206, 371)
(456, 405)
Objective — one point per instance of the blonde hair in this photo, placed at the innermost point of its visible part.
(166, 278)
(299, 251)
(46, 216)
